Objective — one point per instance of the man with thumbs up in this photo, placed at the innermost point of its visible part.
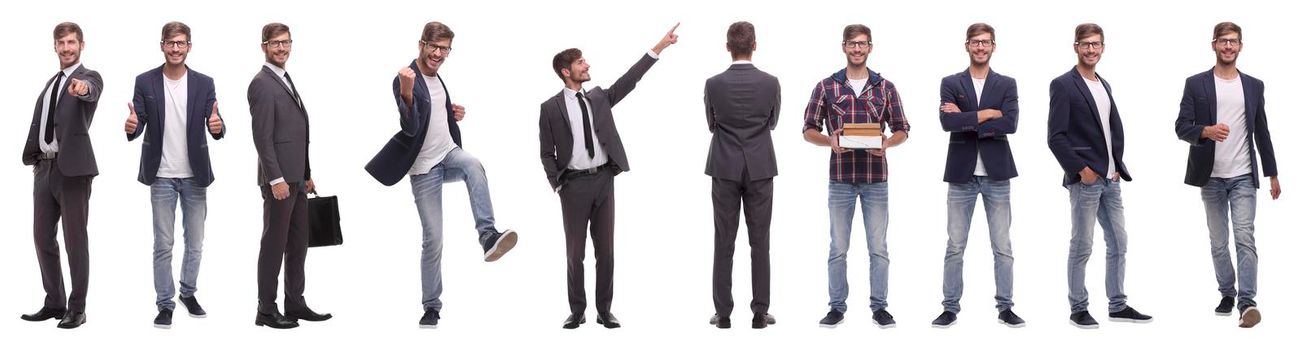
(174, 107)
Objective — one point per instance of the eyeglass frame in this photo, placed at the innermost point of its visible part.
(1089, 44)
(429, 44)
(180, 44)
(857, 44)
(279, 43)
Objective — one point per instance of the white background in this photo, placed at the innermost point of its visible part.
(346, 55)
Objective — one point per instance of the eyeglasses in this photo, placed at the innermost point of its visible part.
(857, 44)
(981, 43)
(434, 47)
(278, 43)
(180, 44)
(1227, 42)
(1089, 44)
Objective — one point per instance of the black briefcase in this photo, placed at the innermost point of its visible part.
(323, 221)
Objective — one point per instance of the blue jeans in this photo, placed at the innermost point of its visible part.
(840, 204)
(1227, 201)
(1101, 200)
(194, 209)
(428, 190)
(962, 201)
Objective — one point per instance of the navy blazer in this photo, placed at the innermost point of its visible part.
(394, 161)
(150, 100)
(1076, 132)
(967, 137)
(1198, 109)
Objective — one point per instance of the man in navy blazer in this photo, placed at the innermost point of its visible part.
(428, 148)
(1223, 118)
(979, 110)
(174, 107)
(1089, 149)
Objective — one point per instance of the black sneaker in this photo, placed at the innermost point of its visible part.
(1083, 320)
(1129, 314)
(883, 319)
(1249, 317)
(497, 244)
(430, 320)
(192, 307)
(1225, 307)
(832, 319)
(1010, 319)
(164, 319)
(945, 320)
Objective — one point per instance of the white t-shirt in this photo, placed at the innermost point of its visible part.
(858, 85)
(1104, 104)
(1232, 154)
(979, 85)
(175, 162)
(438, 138)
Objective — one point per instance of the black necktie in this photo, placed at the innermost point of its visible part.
(587, 126)
(297, 99)
(54, 101)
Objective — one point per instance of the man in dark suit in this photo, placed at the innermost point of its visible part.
(581, 154)
(979, 109)
(428, 148)
(741, 108)
(59, 146)
(174, 107)
(280, 135)
(1086, 137)
(1223, 118)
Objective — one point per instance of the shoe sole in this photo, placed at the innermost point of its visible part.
(429, 326)
(163, 326)
(503, 245)
(1250, 318)
(1227, 313)
(1128, 320)
(1010, 325)
(603, 324)
(1083, 326)
(943, 326)
(881, 326)
(61, 326)
(263, 324)
(824, 325)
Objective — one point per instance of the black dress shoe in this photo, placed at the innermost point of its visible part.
(574, 321)
(45, 314)
(721, 322)
(608, 320)
(306, 314)
(72, 319)
(762, 321)
(272, 318)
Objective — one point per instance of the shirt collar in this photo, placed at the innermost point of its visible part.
(280, 72)
(67, 72)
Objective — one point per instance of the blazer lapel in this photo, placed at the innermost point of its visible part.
(281, 81)
(194, 109)
(1209, 90)
(969, 89)
(1250, 94)
(157, 110)
(565, 114)
(1089, 97)
(992, 82)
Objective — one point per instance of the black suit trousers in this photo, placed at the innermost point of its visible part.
(730, 197)
(56, 196)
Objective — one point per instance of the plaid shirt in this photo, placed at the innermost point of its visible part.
(833, 104)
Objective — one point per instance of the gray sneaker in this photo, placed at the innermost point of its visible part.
(497, 244)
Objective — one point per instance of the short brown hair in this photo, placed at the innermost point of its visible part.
(173, 28)
(980, 28)
(854, 30)
(435, 31)
(564, 59)
(272, 30)
(741, 39)
(65, 28)
(1226, 28)
(1087, 29)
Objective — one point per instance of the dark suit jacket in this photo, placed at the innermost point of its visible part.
(1198, 109)
(150, 101)
(966, 136)
(72, 117)
(741, 108)
(1076, 133)
(280, 130)
(395, 159)
(556, 141)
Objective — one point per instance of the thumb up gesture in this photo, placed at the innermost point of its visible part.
(214, 121)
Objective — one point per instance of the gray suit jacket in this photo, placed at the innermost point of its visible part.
(280, 130)
(72, 117)
(741, 108)
(554, 135)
